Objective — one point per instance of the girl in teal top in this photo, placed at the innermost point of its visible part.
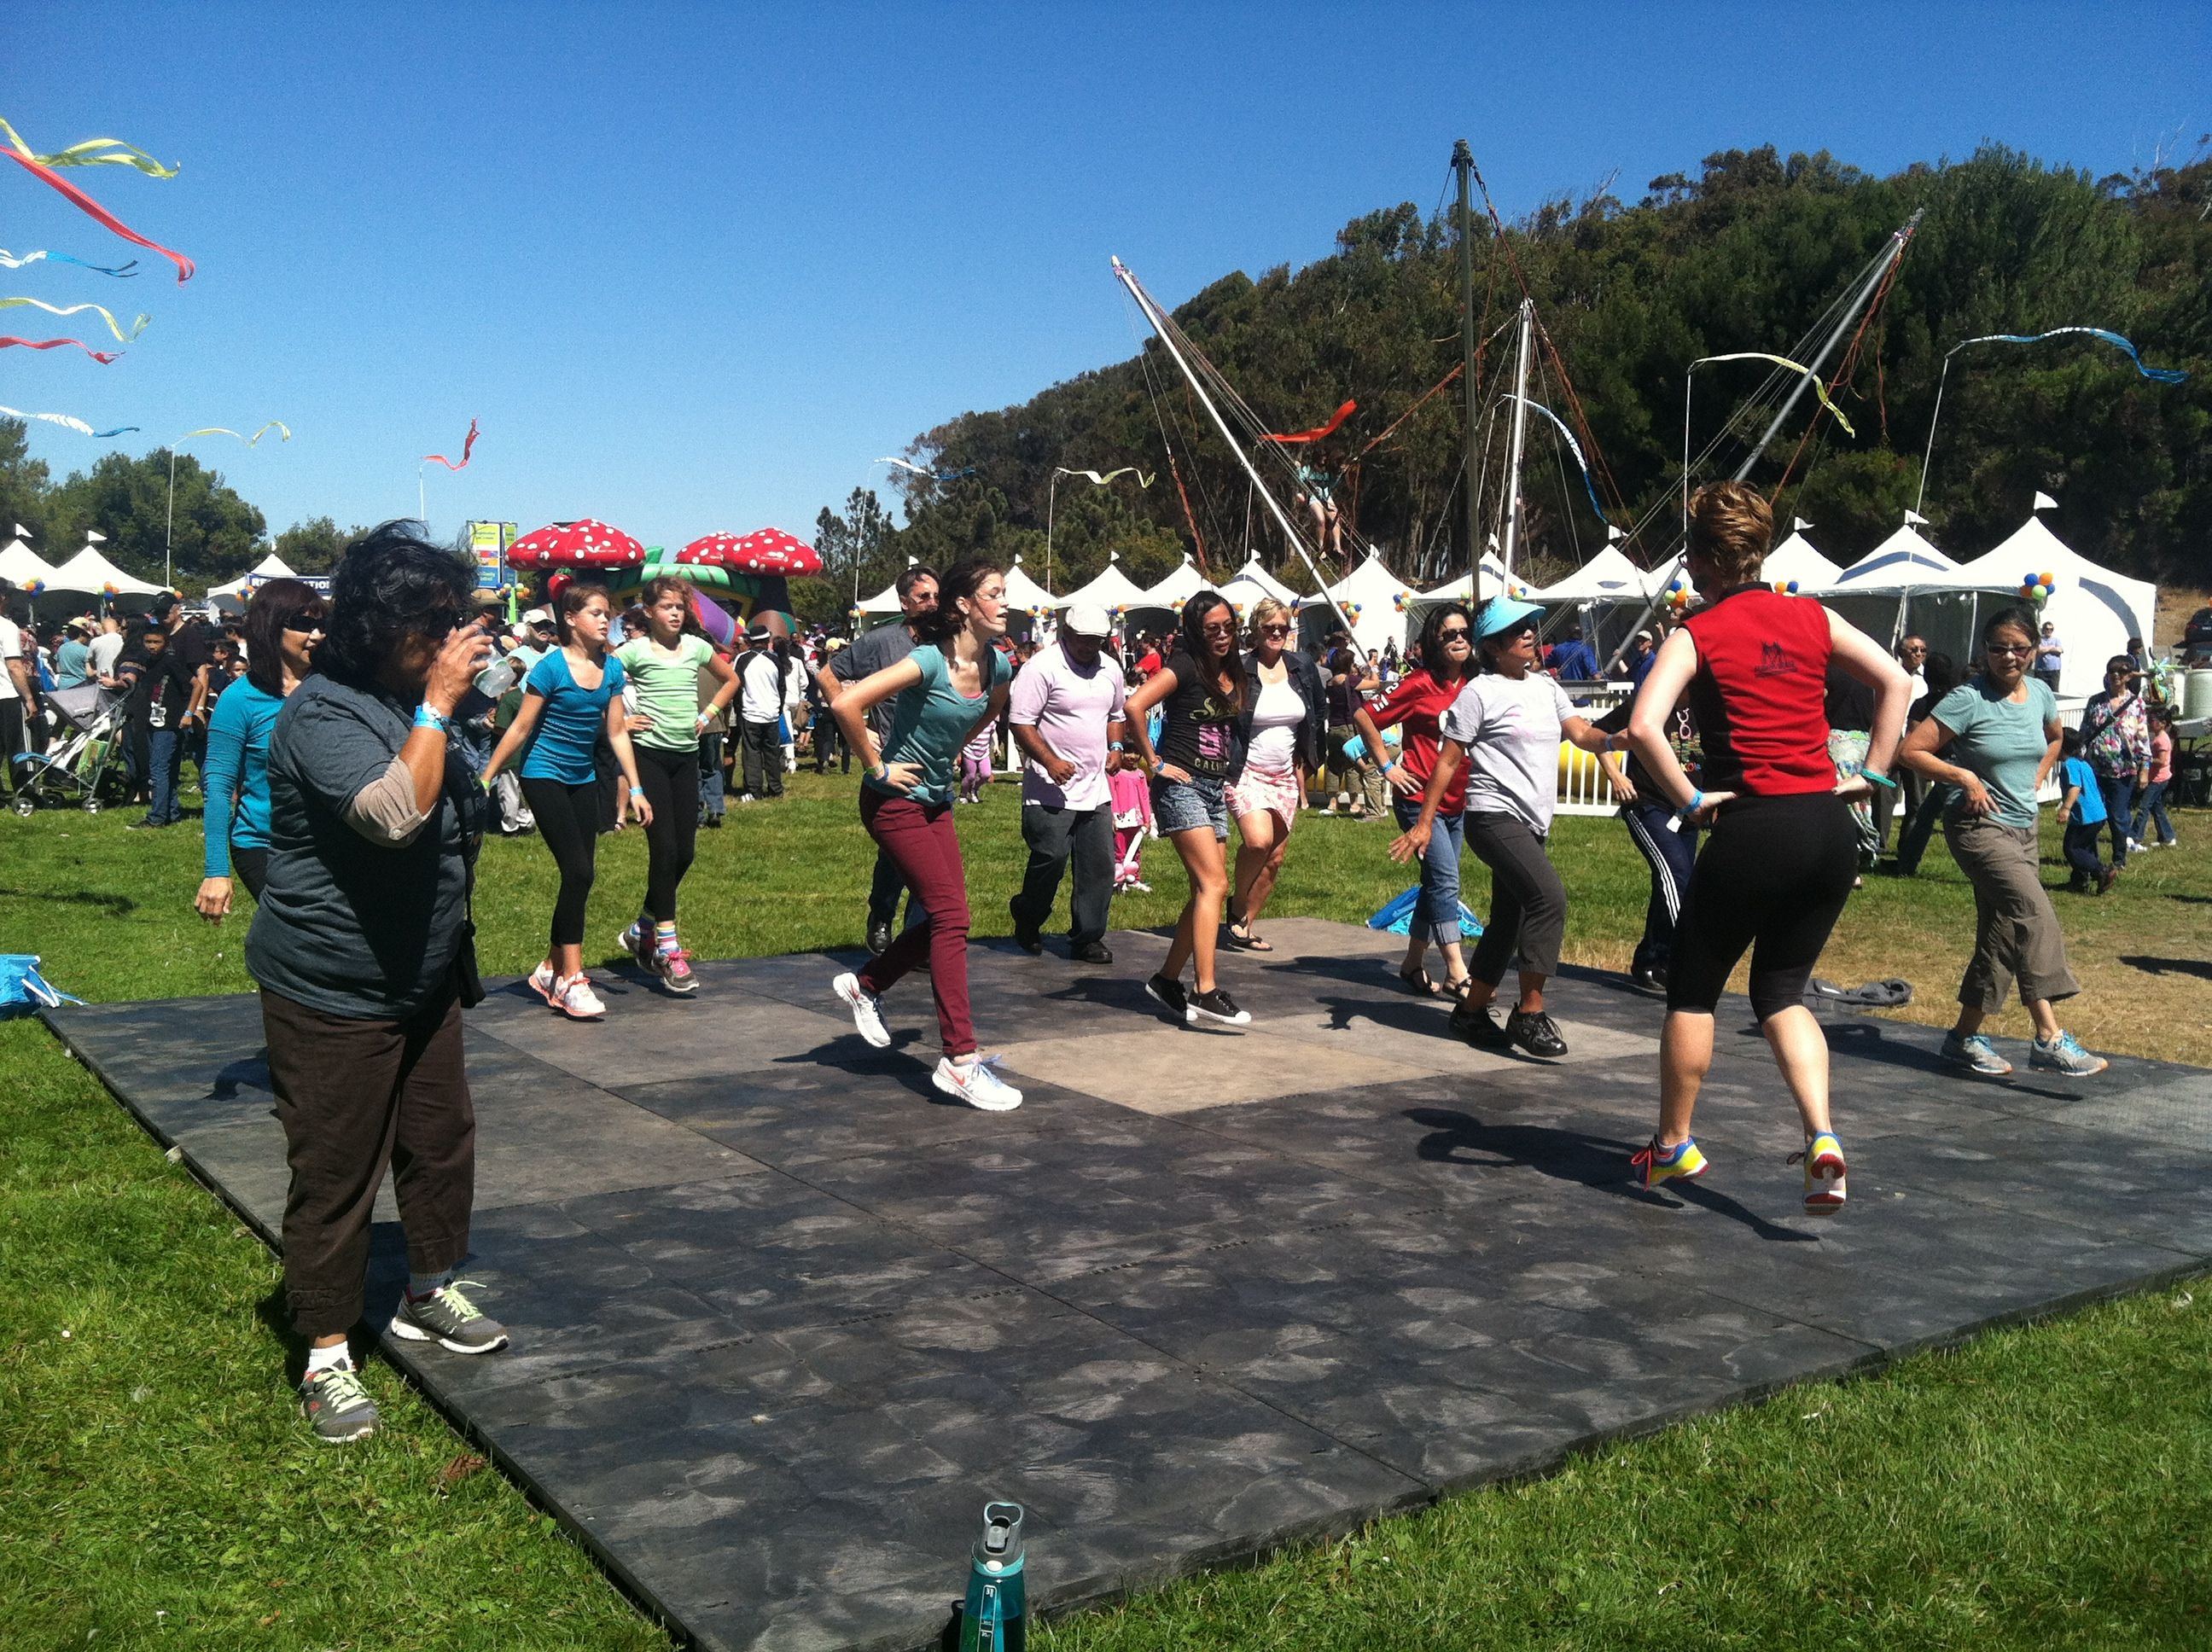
(283, 624)
(950, 687)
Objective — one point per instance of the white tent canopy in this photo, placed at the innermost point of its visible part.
(1495, 579)
(272, 567)
(94, 574)
(1110, 589)
(24, 569)
(2094, 609)
(885, 601)
(1903, 561)
(1379, 596)
(1794, 558)
(1608, 576)
(1023, 593)
(1181, 583)
(1251, 582)
(1904, 584)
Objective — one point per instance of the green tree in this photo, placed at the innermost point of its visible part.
(214, 534)
(24, 484)
(315, 545)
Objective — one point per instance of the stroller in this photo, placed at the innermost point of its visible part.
(84, 766)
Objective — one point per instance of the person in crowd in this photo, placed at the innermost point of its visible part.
(1849, 709)
(137, 675)
(361, 948)
(828, 744)
(1129, 794)
(571, 700)
(791, 661)
(1781, 852)
(73, 659)
(1279, 742)
(1315, 485)
(1912, 655)
(2150, 808)
(106, 649)
(1994, 739)
(1942, 676)
(1643, 649)
(1573, 661)
(666, 667)
(1667, 844)
(873, 651)
(1355, 785)
(1416, 708)
(952, 683)
(284, 627)
(2138, 657)
(18, 689)
(1065, 711)
(975, 761)
(175, 702)
(760, 716)
(2082, 818)
(1503, 728)
(1200, 696)
(713, 736)
(2050, 656)
(2116, 741)
(634, 625)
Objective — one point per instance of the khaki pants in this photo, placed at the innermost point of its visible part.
(2016, 933)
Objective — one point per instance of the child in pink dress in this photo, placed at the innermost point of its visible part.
(975, 766)
(1131, 799)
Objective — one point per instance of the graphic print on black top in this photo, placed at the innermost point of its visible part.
(1195, 720)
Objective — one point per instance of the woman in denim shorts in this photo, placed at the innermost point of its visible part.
(1200, 694)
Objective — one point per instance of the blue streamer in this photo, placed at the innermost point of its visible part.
(14, 263)
(2156, 375)
(1573, 447)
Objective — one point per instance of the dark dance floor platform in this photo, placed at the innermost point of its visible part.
(784, 1318)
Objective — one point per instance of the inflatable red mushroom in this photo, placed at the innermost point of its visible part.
(570, 546)
(770, 551)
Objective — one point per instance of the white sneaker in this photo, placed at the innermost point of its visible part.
(541, 981)
(867, 1009)
(574, 999)
(2135, 847)
(975, 1084)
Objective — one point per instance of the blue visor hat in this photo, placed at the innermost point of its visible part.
(1503, 614)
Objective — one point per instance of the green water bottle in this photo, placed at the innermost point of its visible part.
(993, 1619)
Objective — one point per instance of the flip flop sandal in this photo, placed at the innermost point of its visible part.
(1420, 984)
(1242, 939)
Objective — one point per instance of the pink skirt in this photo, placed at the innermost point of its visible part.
(1273, 791)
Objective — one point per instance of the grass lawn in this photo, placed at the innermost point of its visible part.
(2045, 1486)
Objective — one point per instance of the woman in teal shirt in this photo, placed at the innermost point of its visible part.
(947, 689)
(283, 624)
(1995, 737)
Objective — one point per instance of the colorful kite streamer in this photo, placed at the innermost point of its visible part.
(933, 476)
(66, 422)
(93, 152)
(1818, 388)
(254, 440)
(467, 442)
(2157, 375)
(1143, 480)
(1321, 430)
(102, 356)
(100, 310)
(94, 210)
(1573, 447)
(11, 261)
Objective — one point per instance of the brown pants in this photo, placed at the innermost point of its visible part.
(2016, 930)
(354, 1097)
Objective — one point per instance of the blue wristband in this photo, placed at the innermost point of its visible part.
(1696, 802)
(1876, 776)
(425, 717)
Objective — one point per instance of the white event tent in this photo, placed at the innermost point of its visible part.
(2094, 609)
(1608, 576)
(1249, 583)
(1904, 584)
(1794, 558)
(272, 567)
(24, 569)
(1110, 588)
(885, 601)
(93, 574)
(1023, 593)
(1182, 582)
(1379, 597)
(1495, 579)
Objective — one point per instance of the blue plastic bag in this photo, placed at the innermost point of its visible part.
(24, 990)
(1396, 916)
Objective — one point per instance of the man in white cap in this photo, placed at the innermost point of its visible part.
(1065, 709)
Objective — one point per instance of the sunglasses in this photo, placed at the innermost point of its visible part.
(1452, 633)
(306, 625)
(1274, 630)
(1219, 629)
(2010, 650)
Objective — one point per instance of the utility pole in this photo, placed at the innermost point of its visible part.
(1462, 162)
(1520, 433)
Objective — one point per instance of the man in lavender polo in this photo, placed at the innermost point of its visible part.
(1065, 709)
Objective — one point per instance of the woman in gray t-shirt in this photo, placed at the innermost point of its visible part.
(1995, 737)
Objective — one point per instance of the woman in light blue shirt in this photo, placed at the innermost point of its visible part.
(283, 624)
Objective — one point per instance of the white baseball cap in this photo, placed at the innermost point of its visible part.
(538, 617)
(1087, 619)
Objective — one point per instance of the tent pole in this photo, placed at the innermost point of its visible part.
(1159, 326)
(168, 520)
(1520, 437)
(1462, 162)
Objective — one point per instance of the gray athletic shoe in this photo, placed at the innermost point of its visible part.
(334, 1402)
(450, 1319)
(1975, 1053)
(2062, 1054)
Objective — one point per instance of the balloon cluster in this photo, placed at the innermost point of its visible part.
(1037, 611)
(1785, 587)
(1397, 600)
(1678, 592)
(1120, 610)
(852, 613)
(1351, 610)
(2037, 587)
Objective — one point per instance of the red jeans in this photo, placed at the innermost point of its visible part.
(920, 841)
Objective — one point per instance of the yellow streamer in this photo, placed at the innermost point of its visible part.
(254, 440)
(1819, 389)
(113, 326)
(93, 152)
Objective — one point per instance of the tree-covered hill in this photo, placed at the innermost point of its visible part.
(1744, 257)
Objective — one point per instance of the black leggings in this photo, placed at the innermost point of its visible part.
(1773, 877)
(569, 821)
(252, 866)
(671, 780)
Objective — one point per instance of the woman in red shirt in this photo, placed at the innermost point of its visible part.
(1417, 706)
(1782, 853)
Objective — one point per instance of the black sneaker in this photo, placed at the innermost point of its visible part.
(1027, 940)
(336, 1405)
(1476, 1026)
(1215, 1006)
(1091, 952)
(1535, 1033)
(1649, 980)
(1169, 996)
(879, 938)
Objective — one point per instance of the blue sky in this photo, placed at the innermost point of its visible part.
(694, 267)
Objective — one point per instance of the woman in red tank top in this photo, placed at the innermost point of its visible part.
(1779, 859)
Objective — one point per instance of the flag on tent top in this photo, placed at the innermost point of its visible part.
(93, 538)
(2043, 502)
(1798, 524)
(1915, 519)
(23, 532)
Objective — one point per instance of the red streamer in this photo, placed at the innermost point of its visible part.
(92, 209)
(469, 441)
(102, 356)
(1316, 433)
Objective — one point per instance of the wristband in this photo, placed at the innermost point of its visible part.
(637, 791)
(879, 771)
(426, 718)
(1696, 802)
(1876, 776)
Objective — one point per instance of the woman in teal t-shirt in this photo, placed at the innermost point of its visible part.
(663, 667)
(1995, 737)
(947, 689)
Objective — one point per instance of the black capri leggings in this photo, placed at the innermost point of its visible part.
(1773, 877)
(1527, 903)
(671, 780)
(568, 820)
(252, 866)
